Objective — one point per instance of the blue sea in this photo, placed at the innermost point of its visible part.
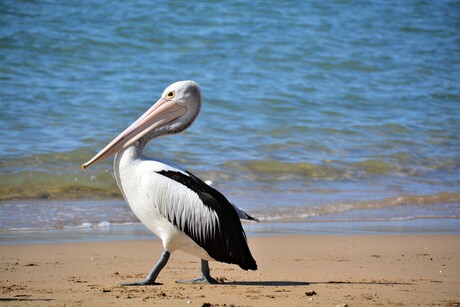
(319, 116)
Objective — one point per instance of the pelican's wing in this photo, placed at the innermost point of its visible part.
(202, 213)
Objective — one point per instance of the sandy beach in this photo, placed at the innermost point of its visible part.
(396, 270)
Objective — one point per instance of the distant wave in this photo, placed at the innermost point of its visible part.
(331, 170)
(59, 176)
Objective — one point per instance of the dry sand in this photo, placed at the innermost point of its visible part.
(307, 270)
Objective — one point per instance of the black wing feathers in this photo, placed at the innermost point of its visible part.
(228, 242)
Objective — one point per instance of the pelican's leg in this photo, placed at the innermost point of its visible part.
(205, 277)
(150, 279)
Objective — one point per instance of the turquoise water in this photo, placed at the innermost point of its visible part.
(313, 111)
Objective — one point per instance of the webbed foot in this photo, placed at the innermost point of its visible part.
(205, 277)
(203, 280)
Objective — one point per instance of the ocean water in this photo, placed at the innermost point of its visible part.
(315, 113)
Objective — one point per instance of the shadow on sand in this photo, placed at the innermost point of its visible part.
(305, 283)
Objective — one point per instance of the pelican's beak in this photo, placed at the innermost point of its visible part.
(162, 112)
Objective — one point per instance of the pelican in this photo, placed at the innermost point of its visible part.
(183, 211)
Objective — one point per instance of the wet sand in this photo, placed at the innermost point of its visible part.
(295, 270)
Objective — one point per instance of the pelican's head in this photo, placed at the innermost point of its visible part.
(174, 112)
(186, 95)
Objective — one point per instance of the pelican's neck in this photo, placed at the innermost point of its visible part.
(129, 154)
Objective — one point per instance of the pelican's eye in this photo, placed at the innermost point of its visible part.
(170, 95)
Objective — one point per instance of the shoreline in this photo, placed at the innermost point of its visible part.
(435, 211)
(110, 232)
(319, 270)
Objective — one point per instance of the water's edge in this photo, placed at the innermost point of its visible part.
(253, 229)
